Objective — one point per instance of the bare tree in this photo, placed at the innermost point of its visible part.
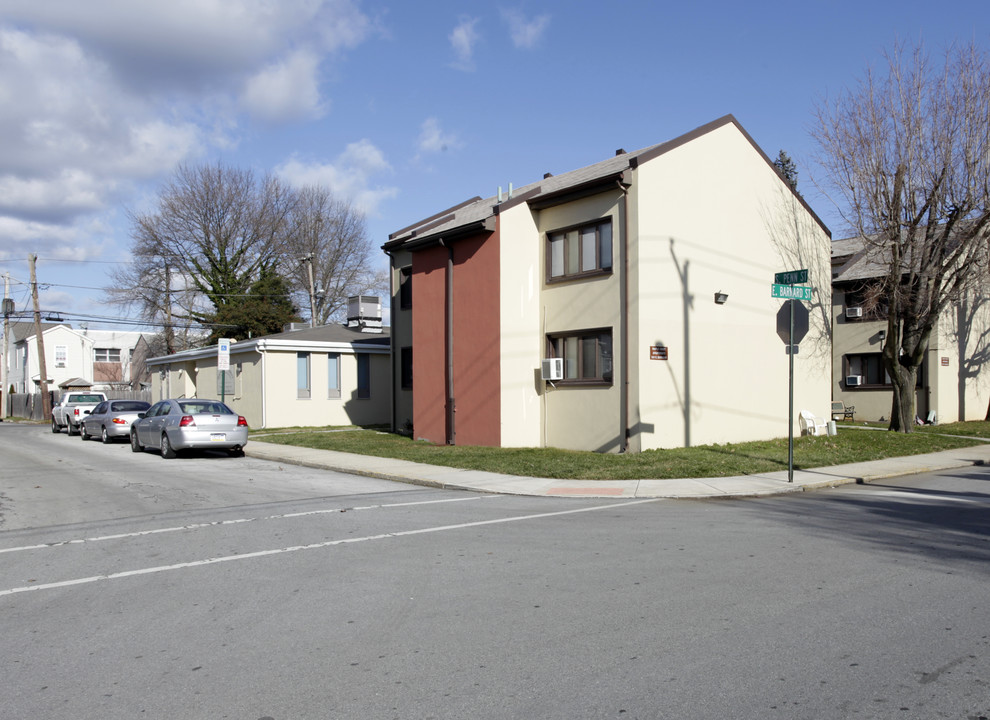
(907, 151)
(328, 239)
(215, 230)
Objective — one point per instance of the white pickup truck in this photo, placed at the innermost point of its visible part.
(72, 408)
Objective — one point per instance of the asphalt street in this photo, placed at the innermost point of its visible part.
(209, 596)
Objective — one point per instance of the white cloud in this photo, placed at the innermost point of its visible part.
(433, 139)
(525, 32)
(463, 38)
(350, 176)
(191, 42)
(100, 96)
(287, 90)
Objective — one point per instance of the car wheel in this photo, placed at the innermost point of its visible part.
(69, 430)
(135, 445)
(168, 452)
(55, 427)
(104, 437)
(236, 452)
(82, 432)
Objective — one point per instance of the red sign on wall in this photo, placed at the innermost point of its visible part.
(658, 352)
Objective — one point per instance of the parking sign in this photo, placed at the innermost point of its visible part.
(223, 354)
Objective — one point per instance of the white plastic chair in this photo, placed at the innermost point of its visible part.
(811, 425)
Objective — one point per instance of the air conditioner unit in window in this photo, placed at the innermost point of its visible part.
(552, 369)
(853, 380)
(854, 312)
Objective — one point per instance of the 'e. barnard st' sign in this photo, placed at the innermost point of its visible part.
(792, 292)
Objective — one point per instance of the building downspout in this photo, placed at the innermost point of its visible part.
(449, 323)
(391, 340)
(624, 321)
(262, 350)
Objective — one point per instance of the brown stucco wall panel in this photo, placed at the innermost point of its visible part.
(475, 341)
(429, 373)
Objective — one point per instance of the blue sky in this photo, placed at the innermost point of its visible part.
(403, 108)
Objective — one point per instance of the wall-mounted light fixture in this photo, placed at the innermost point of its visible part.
(721, 297)
(883, 336)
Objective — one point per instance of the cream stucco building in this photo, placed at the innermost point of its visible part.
(954, 378)
(647, 275)
(329, 375)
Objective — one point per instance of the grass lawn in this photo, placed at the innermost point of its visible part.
(851, 444)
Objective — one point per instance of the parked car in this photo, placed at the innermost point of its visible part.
(170, 426)
(112, 419)
(72, 409)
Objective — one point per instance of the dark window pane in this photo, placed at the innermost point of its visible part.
(589, 357)
(407, 368)
(605, 245)
(405, 288)
(364, 375)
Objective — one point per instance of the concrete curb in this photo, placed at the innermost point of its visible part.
(747, 486)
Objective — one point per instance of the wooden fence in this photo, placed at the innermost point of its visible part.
(29, 406)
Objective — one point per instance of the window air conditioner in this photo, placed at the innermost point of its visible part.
(854, 312)
(553, 369)
(852, 380)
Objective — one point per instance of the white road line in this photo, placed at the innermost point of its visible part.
(926, 497)
(218, 523)
(314, 546)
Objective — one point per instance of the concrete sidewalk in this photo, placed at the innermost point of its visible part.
(773, 483)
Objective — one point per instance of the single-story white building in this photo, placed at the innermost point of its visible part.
(329, 375)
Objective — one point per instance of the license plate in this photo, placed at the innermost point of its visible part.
(218, 437)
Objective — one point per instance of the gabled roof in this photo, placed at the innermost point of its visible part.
(325, 337)
(331, 333)
(854, 260)
(23, 330)
(862, 258)
(478, 213)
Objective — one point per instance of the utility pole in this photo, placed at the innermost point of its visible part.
(169, 331)
(46, 400)
(308, 259)
(4, 372)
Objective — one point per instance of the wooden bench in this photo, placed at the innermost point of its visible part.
(841, 411)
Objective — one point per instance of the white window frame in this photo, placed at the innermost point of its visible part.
(333, 375)
(303, 375)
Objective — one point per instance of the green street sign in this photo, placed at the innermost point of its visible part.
(791, 292)
(791, 277)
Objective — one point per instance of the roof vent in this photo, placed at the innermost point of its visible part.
(547, 175)
(364, 313)
(620, 151)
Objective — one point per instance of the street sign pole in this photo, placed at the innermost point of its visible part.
(790, 399)
(223, 365)
(785, 285)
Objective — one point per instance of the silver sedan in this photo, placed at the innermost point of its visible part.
(189, 423)
(111, 419)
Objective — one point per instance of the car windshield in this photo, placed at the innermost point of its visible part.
(204, 407)
(85, 399)
(129, 406)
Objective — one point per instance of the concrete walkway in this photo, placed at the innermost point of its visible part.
(772, 483)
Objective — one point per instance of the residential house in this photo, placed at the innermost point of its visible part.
(328, 375)
(103, 356)
(644, 280)
(954, 378)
